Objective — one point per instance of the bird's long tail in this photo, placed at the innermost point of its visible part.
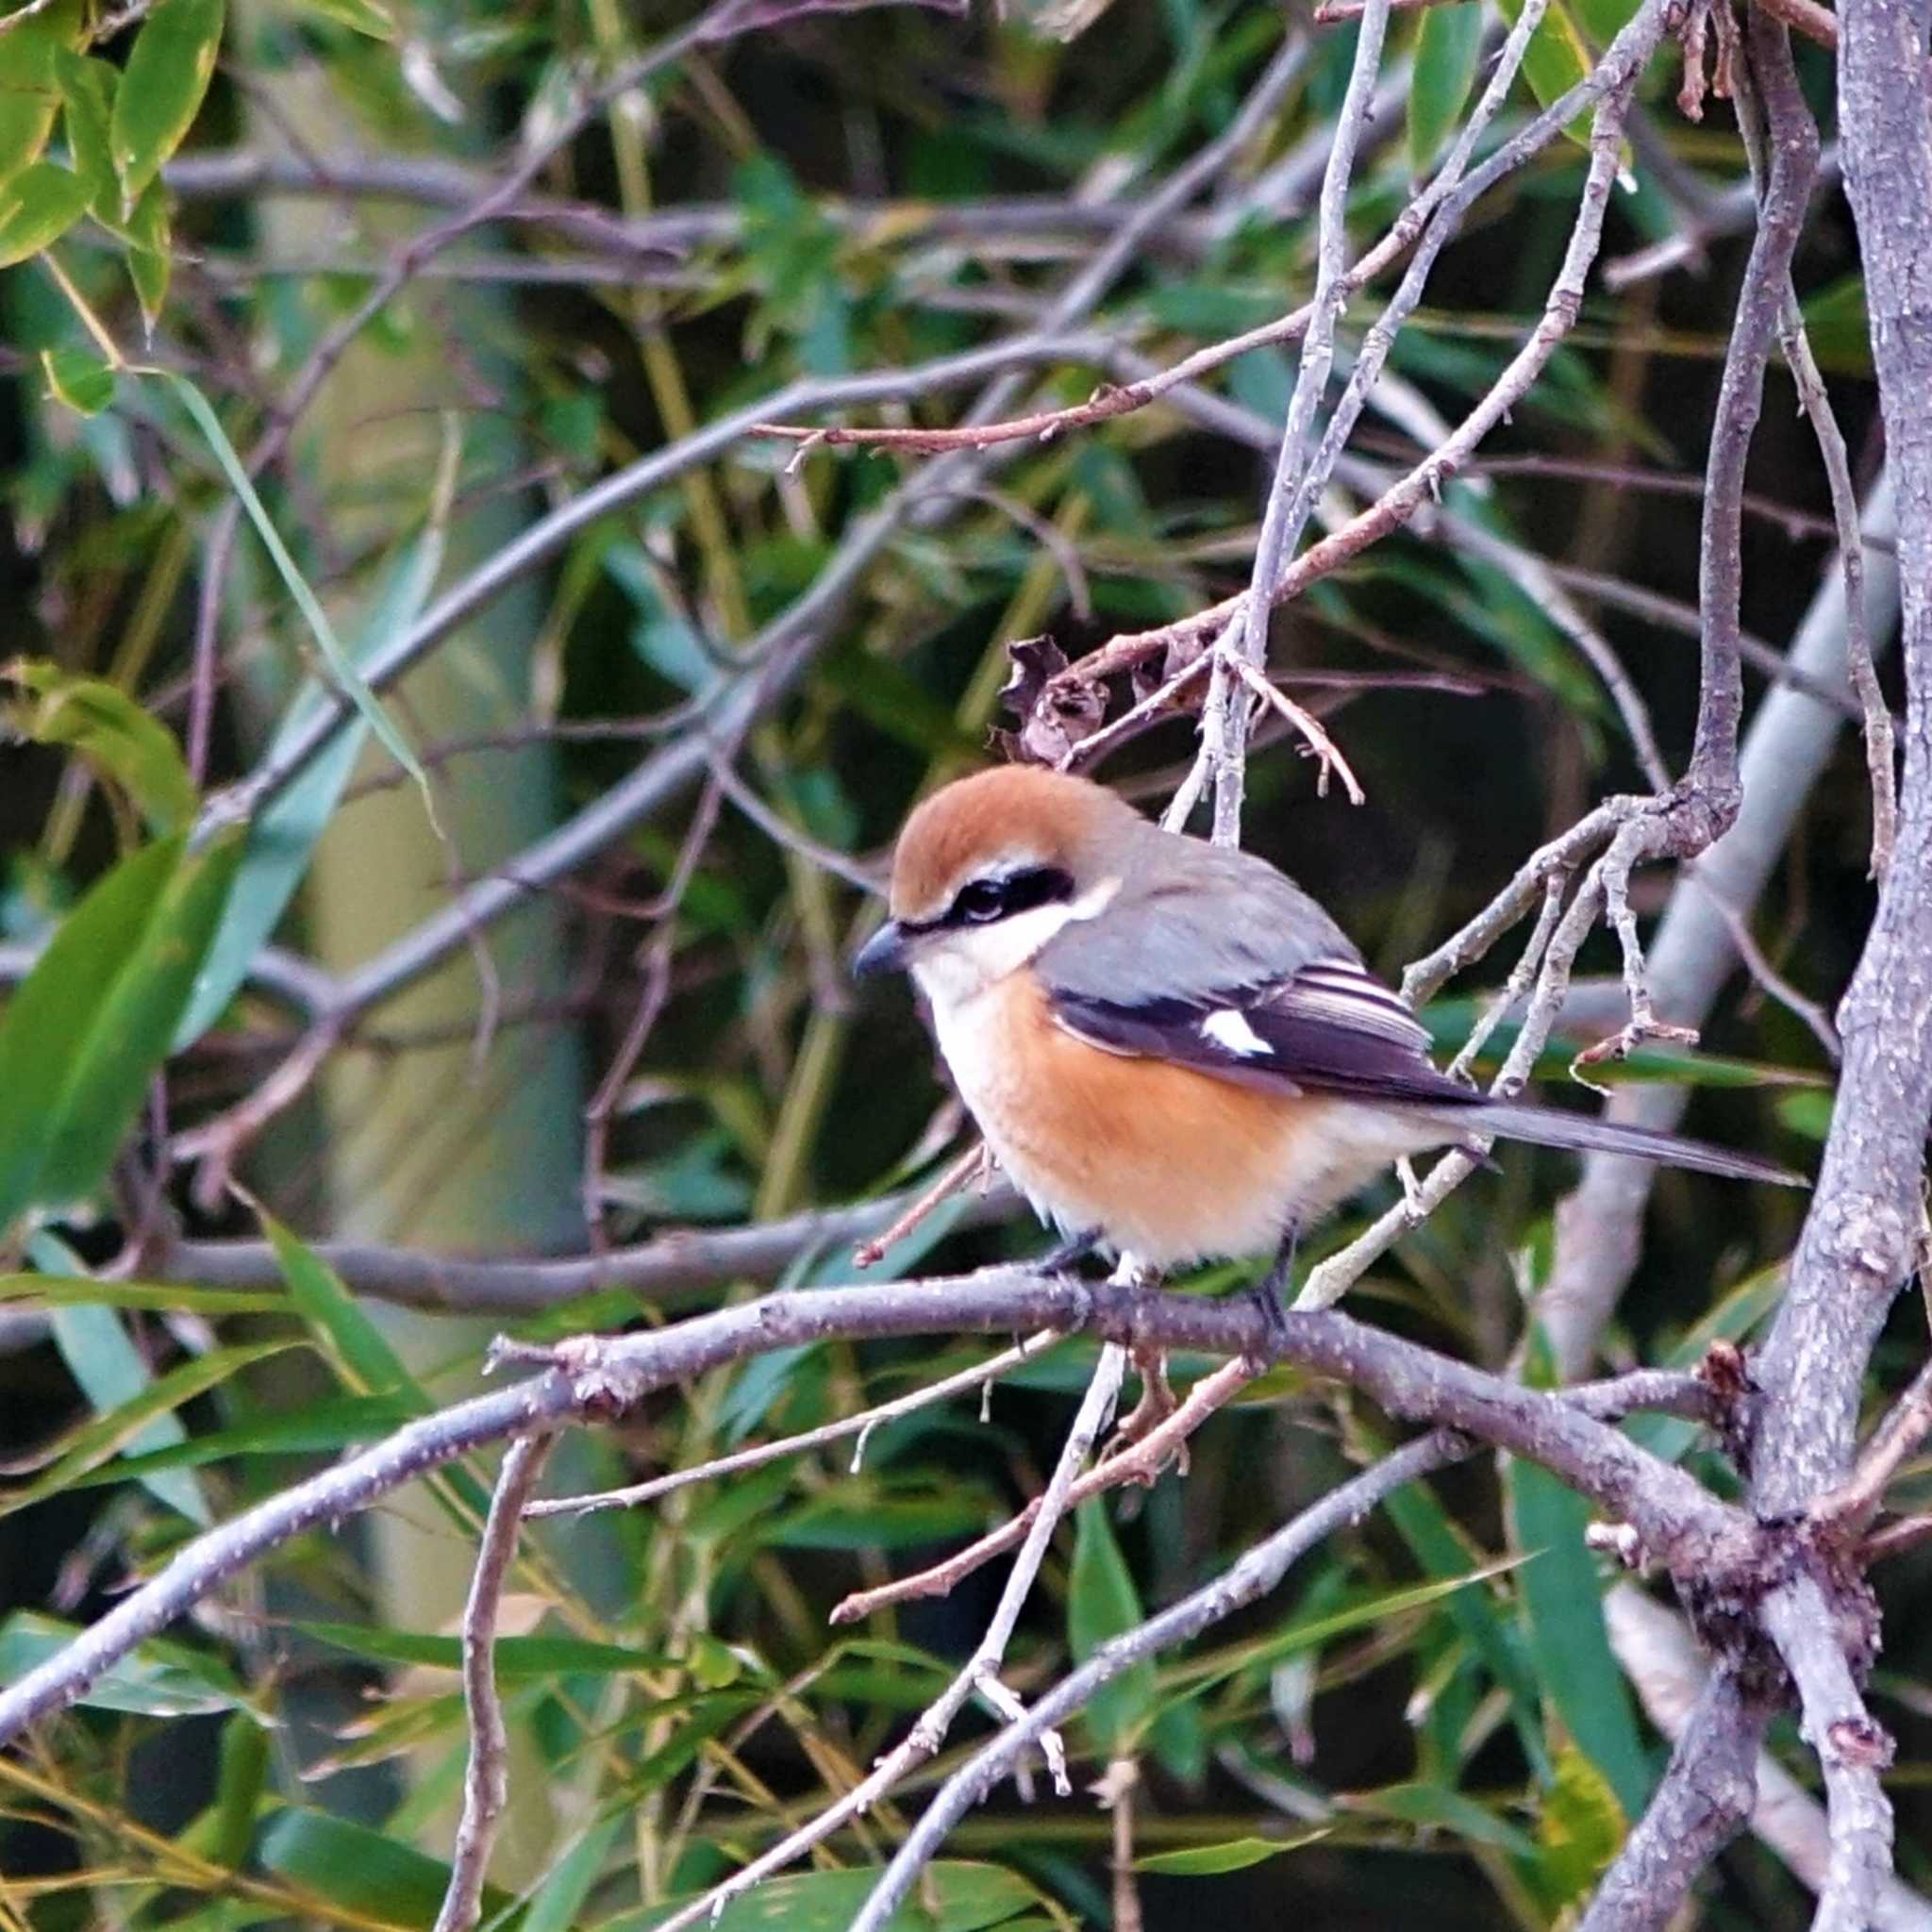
(1549, 1127)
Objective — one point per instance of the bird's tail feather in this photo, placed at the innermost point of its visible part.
(1549, 1127)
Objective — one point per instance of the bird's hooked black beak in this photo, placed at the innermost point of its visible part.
(885, 952)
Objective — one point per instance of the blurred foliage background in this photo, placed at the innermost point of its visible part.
(841, 193)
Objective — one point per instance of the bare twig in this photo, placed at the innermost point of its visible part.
(862, 1425)
(1850, 1507)
(973, 1166)
(486, 1779)
(1851, 1749)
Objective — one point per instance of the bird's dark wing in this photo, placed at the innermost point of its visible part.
(1331, 1027)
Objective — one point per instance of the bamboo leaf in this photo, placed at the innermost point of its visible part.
(168, 70)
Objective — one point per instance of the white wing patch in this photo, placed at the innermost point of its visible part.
(1230, 1030)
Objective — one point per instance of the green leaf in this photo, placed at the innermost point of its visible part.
(363, 1871)
(1198, 1672)
(78, 380)
(359, 16)
(1447, 48)
(37, 206)
(1102, 1603)
(281, 841)
(1555, 60)
(168, 70)
(92, 1021)
(1440, 1547)
(108, 1370)
(157, 1679)
(1563, 1610)
(1604, 20)
(224, 1831)
(89, 1292)
(109, 729)
(516, 1656)
(1233, 1854)
(359, 1352)
(87, 97)
(90, 1445)
(149, 261)
(347, 677)
(315, 1428)
(29, 96)
(556, 1903)
(954, 1896)
(1439, 1808)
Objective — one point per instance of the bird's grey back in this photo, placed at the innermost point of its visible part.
(1192, 920)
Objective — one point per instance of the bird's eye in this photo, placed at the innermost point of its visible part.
(980, 901)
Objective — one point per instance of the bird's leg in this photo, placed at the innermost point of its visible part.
(1157, 1401)
(1274, 1287)
(1077, 1247)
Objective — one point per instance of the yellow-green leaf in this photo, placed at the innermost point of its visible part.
(149, 261)
(161, 93)
(37, 206)
(1555, 60)
(83, 382)
(102, 723)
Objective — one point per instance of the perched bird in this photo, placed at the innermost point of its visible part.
(1173, 1050)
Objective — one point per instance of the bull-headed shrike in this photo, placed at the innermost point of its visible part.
(1173, 1050)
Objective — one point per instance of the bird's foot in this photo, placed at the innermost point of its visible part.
(1157, 1401)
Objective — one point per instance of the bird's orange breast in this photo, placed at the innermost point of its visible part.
(1170, 1164)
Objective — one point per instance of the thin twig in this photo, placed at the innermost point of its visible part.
(974, 1165)
(486, 1778)
(860, 1424)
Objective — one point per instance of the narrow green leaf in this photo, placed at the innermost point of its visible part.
(516, 1656)
(92, 1021)
(113, 733)
(36, 207)
(315, 1428)
(1441, 1549)
(282, 839)
(1447, 48)
(1563, 1608)
(556, 1903)
(954, 1896)
(28, 95)
(359, 16)
(360, 1351)
(80, 380)
(157, 1679)
(1102, 1603)
(347, 677)
(1233, 1854)
(1439, 1808)
(89, 1292)
(90, 1445)
(108, 1370)
(168, 70)
(1604, 20)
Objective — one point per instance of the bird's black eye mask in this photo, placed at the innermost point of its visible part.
(982, 901)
